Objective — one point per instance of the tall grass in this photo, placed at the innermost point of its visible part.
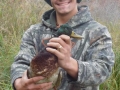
(17, 15)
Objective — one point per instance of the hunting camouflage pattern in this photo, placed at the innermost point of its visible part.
(93, 53)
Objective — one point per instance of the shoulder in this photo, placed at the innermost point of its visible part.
(94, 25)
(35, 29)
(98, 29)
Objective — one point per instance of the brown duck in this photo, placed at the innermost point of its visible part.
(45, 63)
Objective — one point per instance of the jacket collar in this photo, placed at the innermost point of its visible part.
(83, 16)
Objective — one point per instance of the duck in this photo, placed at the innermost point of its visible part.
(45, 63)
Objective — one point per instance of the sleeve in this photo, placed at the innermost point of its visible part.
(24, 56)
(95, 65)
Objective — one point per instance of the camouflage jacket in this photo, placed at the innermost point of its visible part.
(94, 53)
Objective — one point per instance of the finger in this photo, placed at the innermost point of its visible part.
(57, 40)
(25, 79)
(31, 80)
(48, 87)
(25, 75)
(65, 38)
(27, 82)
(43, 86)
(54, 45)
(35, 79)
(56, 52)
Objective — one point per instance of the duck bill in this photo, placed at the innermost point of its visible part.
(74, 35)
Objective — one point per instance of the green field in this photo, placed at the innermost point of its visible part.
(17, 15)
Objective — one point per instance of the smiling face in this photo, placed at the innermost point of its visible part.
(64, 6)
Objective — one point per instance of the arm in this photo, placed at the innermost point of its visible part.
(95, 65)
(21, 64)
(23, 58)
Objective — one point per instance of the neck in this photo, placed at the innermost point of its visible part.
(63, 18)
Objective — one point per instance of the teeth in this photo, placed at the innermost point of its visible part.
(63, 3)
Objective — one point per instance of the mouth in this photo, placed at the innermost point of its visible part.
(63, 3)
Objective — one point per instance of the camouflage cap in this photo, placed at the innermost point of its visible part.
(49, 2)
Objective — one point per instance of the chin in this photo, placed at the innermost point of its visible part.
(64, 12)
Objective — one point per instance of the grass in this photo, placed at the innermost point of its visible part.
(17, 15)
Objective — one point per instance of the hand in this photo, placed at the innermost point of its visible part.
(63, 51)
(29, 84)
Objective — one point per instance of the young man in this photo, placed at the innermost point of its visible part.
(85, 66)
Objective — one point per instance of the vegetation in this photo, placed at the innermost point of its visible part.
(17, 15)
